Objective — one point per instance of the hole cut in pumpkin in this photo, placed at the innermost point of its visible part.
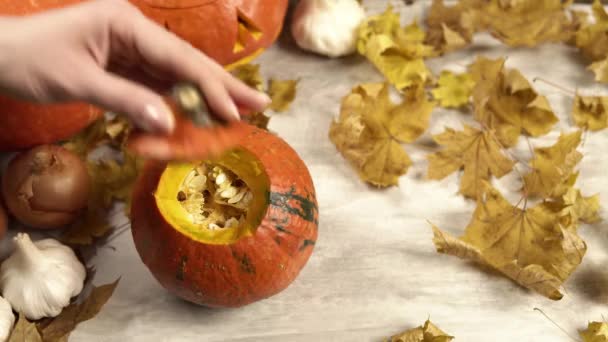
(215, 201)
(246, 29)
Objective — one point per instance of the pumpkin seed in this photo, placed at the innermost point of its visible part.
(229, 192)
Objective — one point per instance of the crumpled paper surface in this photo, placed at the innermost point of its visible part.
(375, 271)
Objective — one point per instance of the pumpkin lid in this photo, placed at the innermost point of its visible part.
(196, 135)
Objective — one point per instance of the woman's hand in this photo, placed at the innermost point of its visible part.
(107, 53)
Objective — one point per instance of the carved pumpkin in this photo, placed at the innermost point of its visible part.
(229, 31)
(196, 252)
(226, 30)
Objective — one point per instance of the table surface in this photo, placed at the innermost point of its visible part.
(374, 271)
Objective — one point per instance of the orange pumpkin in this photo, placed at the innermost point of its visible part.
(237, 265)
(229, 31)
(226, 30)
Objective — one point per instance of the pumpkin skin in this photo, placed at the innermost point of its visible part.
(251, 268)
(212, 26)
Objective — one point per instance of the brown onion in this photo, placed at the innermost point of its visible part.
(3, 221)
(46, 187)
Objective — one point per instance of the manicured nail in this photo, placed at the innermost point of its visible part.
(233, 111)
(265, 99)
(159, 118)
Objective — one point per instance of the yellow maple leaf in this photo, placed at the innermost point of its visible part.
(525, 22)
(573, 208)
(552, 171)
(590, 112)
(453, 90)
(428, 332)
(504, 100)
(592, 38)
(250, 74)
(600, 69)
(447, 28)
(475, 151)
(595, 332)
(397, 52)
(370, 130)
(527, 245)
(282, 93)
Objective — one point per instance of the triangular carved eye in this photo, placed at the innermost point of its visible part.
(246, 29)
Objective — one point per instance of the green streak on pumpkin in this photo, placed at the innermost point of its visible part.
(306, 210)
(181, 269)
(282, 229)
(307, 243)
(244, 262)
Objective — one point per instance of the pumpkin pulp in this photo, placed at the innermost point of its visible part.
(200, 222)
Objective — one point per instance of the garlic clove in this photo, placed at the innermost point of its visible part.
(327, 27)
(7, 319)
(39, 279)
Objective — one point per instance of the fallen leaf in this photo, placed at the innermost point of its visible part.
(282, 94)
(525, 23)
(595, 332)
(370, 130)
(397, 52)
(592, 38)
(590, 112)
(447, 28)
(574, 208)
(552, 170)
(475, 151)
(527, 245)
(92, 225)
(454, 90)
(24, 331)
(61, 326)
(250, 74)
(428, 332)
(505, 101)
(600, 69)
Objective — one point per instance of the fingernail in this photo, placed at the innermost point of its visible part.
(233, 111)
(159, 118)
(265, 98)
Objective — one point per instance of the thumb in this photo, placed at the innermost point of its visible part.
(145, 108)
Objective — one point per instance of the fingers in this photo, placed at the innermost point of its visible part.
(145, 108)
(165, 51)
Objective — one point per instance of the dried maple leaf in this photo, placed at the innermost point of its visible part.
(595, 332)
(600, 69)
(370, 130)
(447, 27)
(528, 245)
(525, 22)
(590, 112)
(111, 181)
(573, 208)
(398, 53)
(60, 327)
(250, 74)
(592, 38)
(505, 101)
(24, 331)
(453, 90)
(282, 94)
(475, 151)
(428, 332)
(552, 171)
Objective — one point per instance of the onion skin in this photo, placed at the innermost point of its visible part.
(46, 187)
(3, 221)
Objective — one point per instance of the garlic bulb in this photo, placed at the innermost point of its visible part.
(7, 319)
(327, 27)
(39, 279)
